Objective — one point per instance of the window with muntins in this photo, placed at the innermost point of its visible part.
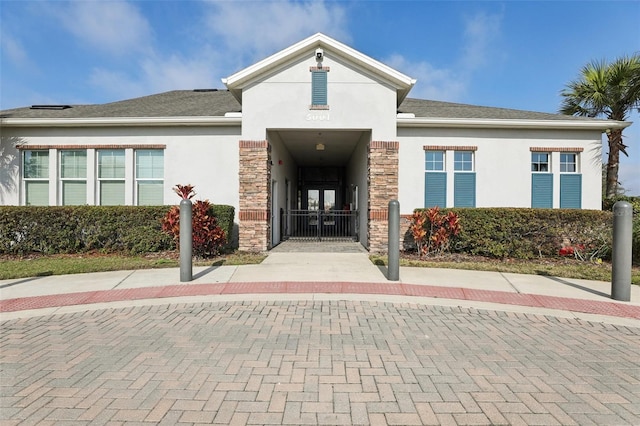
(434, 161)
(149, 177)
(568, 163)
(35, 166)
(463, 161)
(73, 177)
(111, 177)
(540, 162)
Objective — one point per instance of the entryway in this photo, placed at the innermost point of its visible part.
(298, 246)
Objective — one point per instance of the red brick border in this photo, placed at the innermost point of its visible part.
(85, 146)
(283, 287)
(554, 149)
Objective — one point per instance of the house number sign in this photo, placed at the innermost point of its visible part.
(317, 116)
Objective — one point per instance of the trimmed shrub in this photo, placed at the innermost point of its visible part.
(225, 215)
(74, 229)
(528, 233)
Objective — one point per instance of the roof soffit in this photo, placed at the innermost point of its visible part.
(236, 82)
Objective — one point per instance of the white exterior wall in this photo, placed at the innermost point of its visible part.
(283, 171)
(502, 164)
(357, 174)
(9, 168)
(282, 100)
(206, 157)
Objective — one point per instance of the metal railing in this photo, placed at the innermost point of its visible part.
(320, 225)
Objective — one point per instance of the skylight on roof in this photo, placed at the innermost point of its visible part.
(51, 107)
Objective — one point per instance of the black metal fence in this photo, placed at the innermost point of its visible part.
(319, 225)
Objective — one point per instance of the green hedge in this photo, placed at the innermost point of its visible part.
(225, 215)
(77, 229)
(528, 233)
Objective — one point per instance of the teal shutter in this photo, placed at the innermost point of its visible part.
(571, 191)
(542, 190)
(318, 88)
(464, 187)
(435, 189)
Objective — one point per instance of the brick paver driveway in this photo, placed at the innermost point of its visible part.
(317, 362)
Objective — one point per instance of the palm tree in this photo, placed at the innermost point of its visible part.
(611, 91)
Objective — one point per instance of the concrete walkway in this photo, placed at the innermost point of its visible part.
(317, 338)
(284, 273)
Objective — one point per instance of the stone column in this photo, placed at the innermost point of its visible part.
(383, 187)
(255, 196)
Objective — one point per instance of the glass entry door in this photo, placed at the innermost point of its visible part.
(321, 199)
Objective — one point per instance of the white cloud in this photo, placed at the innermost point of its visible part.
(481, 30)
(176, 72)
(258, 29)
(452, 83)
(241, 37)
(13, 50)
(433, 83)
(112, 26)
(157, 74)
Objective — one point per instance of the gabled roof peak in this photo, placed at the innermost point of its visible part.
(237, 81)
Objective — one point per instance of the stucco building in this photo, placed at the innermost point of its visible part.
(313, 141)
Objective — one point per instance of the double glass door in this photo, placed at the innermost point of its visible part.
(321, 199)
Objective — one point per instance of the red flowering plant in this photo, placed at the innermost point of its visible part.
(186, 192)
(432, 231)
(208, 237)
(593, 250)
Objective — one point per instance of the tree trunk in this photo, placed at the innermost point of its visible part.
(615, 139)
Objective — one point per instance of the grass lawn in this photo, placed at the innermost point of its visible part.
(12, 267)
(561, 267)
(33, 266)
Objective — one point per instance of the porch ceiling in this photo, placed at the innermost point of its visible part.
(302, 145)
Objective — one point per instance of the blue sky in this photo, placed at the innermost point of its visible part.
(512, 54)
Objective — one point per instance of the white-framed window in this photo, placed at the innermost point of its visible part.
(434, 161)
(540, 162)
(111, 177)
(463, 161)
(570, 181)
(541, 180)
(73, 177)
(149, 177)
(568, 162)
(435, 179)
(35, 166)
(464, 179)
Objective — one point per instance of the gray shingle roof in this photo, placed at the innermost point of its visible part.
(211, 103)
(177, 103)
(436, 109)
